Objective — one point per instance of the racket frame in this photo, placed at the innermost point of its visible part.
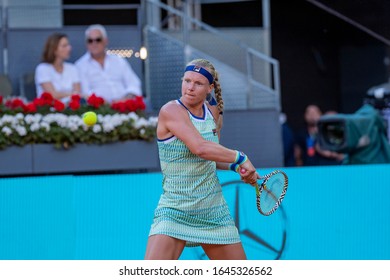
(260, 188)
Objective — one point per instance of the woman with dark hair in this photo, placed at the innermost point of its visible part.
(54, 75)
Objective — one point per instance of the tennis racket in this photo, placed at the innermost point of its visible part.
(271, 191)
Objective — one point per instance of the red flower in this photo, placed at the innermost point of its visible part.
(95, 101)
(58, 105)
(1, 99)
(75, 97)
(31, 108)
(119, 106)
(39, 102)
(15, 103)
(74, 105)
(47, 98)
(140, 103)
(129, 105)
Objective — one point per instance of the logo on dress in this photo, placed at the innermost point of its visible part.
(214, 131)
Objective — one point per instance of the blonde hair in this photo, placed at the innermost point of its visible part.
(217, 86)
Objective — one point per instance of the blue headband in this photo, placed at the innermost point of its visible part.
(202, 71)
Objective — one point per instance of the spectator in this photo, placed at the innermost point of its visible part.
(307, 150)
(106, 75)
(53, 74)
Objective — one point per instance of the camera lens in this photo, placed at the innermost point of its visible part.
(334, 133)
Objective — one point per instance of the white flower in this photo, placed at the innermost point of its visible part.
(7, 119)
(49, 118)
(75, 120)
(29, 119)
(96, 128)
(74, 123)
(38, 117)
(45, 126)
(21, 130)
(61, 120)
(114, 120)
(21, 125)
(6, 130)
(132, 116)
(153, 121)
(19, 116)
(108, 127)
(73, 127)
(142, 122)
(35, 127)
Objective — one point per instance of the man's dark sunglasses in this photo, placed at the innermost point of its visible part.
(97, 40)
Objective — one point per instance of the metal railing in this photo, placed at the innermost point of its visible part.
(260, 70)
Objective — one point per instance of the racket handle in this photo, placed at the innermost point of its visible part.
(243, 170)
(256, 185)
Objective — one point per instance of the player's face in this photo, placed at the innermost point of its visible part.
(195, 87)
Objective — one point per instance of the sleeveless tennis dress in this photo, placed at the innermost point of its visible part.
(192, 206)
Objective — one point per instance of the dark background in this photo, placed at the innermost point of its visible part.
(323, 59)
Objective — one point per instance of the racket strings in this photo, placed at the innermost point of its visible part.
(272, 194)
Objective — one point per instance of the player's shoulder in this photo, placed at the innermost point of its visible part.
(171, 108)
(171, 105)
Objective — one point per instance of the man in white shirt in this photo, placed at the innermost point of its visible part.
(108, 76)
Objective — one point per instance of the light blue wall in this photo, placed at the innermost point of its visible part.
(338, 212)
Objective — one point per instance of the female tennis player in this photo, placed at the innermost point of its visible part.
(192, 210)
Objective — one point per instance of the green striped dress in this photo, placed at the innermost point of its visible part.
(192, 206)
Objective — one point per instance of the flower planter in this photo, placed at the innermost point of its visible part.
(47, 120)
(135, 155)
(119, 156)
(16, 160)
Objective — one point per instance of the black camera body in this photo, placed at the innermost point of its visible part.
(362, 136)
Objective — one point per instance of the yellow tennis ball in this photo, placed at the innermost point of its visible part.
(89, 118)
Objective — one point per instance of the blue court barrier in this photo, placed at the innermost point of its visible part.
(329, 213)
